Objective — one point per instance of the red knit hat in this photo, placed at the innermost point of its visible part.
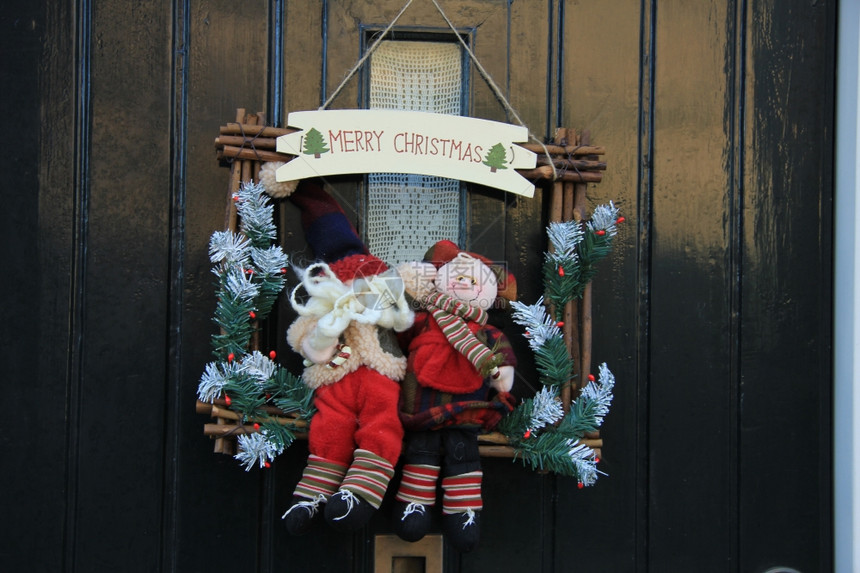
(445, 251)
(358, 265)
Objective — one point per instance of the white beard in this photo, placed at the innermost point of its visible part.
(336, 304)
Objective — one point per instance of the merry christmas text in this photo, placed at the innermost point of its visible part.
(368, 141)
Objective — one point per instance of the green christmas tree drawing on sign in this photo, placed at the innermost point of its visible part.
(496, 158)
(314, 143)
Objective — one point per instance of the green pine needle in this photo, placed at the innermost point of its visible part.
(561, 280)
(554, 363)
(245, 397)
(290, 394)
(282, 435)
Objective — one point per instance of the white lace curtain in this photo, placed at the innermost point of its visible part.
(407, 213)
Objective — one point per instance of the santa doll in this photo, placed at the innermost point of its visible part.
(349, 304)
(459, 374)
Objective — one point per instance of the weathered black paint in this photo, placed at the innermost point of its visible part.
(714, 312)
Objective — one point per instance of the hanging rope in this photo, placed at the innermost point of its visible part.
(363, 59)
(493, 86)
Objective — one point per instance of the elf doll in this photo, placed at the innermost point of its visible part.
(349, 306)
(455, 362)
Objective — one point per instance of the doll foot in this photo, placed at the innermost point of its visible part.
(412, 520)
(346, 511)
(462, 530)
(300, 515)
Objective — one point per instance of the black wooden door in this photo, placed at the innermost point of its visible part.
(713, 311)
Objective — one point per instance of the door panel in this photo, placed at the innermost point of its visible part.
(225, 68)
(785, 390)
(605, 84)
(692, 289)
(122, 272)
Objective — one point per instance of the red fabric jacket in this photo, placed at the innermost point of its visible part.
(435, 363)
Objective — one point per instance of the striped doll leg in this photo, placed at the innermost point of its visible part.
(320, 479)
(417, 491)
(461, 488)
(361, 491)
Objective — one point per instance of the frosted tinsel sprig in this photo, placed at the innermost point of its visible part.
(257, 449)
(582, 458)
(255, 212)
(228, 248)
(599, 393)
(604, 218)
(546, 408)
(215, 377)
(564, 237)
(562, 267)
(239, 285)
(258, 366)
(538, 323)
(269, 261)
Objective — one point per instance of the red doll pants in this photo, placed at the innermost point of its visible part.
(357, 412)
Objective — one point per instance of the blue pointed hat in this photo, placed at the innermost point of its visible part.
(331, 235)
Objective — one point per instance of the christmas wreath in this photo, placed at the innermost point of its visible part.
(272, 407)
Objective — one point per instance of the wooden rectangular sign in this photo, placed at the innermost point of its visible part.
(335, 142)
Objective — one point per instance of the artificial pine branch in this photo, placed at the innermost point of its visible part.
(251, 275)
(228, 250)
(544, 409)
(256, 215)
(243, 396)
(257, 449)
(561, 268)
(553, 361)
(597, 242)
(542, 445)
(554, 452)
(538, 324)
(541, 437)
(250, 272)
(598, 393)
(233, 313)
(281, 435)
(561, 278)
(575, 250)
(555, 448)
(270, 268)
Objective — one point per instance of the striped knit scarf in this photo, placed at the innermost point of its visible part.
(451, 316)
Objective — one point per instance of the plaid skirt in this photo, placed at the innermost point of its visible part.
(423, 408)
